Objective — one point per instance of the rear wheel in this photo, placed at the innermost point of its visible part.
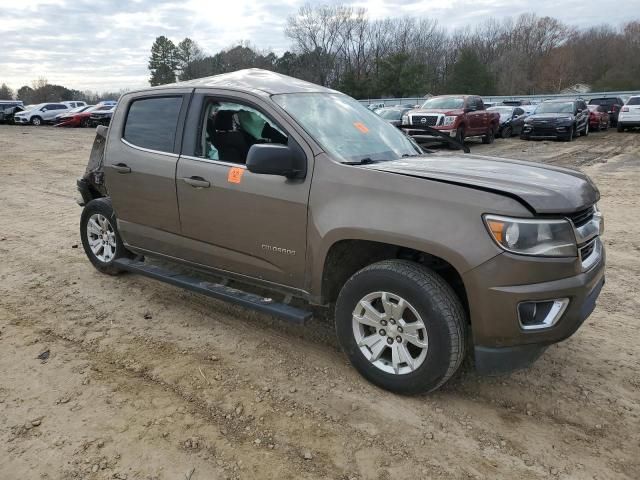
(620, 127)
(37, 121)
(84, 123)
(100, 238)
(402, 326)
(489, 137)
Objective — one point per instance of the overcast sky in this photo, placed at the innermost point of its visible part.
(104, 44)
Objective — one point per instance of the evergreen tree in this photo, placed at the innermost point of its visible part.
(5, 92)
(188, 53)
(163, 61)
(470, 75)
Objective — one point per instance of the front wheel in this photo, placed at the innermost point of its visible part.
(585, 132)
(37, 121)
(402, 326)
(100, 238)
(459, 138)
(570, 135)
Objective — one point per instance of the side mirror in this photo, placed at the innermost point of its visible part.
(274, 159)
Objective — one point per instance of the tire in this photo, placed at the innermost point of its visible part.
(620, 127)
(459, 138)
(570, 135)
(506, 132)
(585, 132)
(100, 212)
(427, 298)
(489, 137)
(84, 123)
(36, 120)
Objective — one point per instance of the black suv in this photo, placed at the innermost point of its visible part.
(612, 106)
(562, 119)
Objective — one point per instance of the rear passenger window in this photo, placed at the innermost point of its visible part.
(151, 123)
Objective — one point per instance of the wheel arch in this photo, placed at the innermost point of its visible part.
(346, 256)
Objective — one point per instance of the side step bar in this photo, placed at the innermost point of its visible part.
(216, 290)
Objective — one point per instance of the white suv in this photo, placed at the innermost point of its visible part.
(41, 113)
(629, 115)
(75, 104)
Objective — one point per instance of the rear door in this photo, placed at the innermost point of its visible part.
(475, 117)
(140, 163)
(234, 220)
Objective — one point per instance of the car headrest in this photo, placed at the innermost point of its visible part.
(224, 120)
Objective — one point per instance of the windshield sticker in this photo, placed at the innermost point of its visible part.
(361, 126)
(235, 175)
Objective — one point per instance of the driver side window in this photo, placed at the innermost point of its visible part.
(229, 130)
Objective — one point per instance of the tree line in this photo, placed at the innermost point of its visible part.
(41, 91)
(340, 47)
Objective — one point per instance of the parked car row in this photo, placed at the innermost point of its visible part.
(462, 116)
(68, 114)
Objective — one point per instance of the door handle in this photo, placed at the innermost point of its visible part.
(121, 168)
(196, 182)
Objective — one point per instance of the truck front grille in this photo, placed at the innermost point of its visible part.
(424, 120)
(587, 250)
(582, 217)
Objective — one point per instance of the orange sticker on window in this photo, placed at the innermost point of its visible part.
(235, 175)
(361, 126)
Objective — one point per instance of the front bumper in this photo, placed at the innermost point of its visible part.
(497, 287)
(422, 135)
(546, 131)
(20, 120)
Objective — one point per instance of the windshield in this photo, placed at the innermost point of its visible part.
(390, 114)
(555, 107)
(345, 128)
(444, 102)
(502, 110)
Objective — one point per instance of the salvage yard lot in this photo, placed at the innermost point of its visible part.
(145, 381)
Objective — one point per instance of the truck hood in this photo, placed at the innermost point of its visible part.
(543, 189)
(442, 111)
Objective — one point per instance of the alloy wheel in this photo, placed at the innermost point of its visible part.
(101, 237)
(390, 333)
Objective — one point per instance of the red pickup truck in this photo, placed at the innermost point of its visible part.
(460, 116)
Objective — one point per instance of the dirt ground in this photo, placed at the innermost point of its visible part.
(146, 381)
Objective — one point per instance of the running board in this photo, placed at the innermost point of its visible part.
(216, 290)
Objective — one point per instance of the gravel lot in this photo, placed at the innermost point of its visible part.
(146, 381)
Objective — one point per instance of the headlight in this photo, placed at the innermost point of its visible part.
(546, 238)
(449, 120)
(405, 119)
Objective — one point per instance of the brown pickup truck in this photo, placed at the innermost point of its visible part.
(459, 116)
(253, 182)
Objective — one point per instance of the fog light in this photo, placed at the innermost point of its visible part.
(541, 314)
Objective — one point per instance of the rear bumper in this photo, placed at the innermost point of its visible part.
(496, 288)
(629, 123)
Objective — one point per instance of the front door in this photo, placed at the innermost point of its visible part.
(237, 221)
(140, 164)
